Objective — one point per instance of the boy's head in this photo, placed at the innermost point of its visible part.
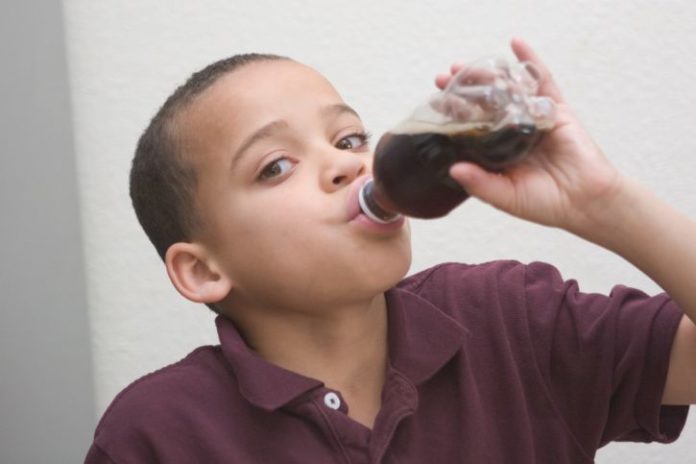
(245, 182)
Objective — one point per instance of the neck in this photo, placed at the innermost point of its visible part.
(346, 348)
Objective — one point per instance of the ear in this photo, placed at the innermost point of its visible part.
(194, 274)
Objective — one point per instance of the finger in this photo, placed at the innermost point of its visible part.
(524, 52)
(478, 76)
(492, 188)
(472, 76)
(456, 67)
(456, 108)
(442, 79)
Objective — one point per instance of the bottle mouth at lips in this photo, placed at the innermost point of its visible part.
(372, 205)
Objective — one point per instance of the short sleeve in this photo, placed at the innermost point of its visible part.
(604, 358)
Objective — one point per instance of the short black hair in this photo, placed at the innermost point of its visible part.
(162, 180)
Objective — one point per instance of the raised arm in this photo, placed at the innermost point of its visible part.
(567, 182)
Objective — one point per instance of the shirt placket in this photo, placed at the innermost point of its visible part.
(399, 401)
(328, 411)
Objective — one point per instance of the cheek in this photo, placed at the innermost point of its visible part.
(284, 216)
(271, 225)
(259, 233)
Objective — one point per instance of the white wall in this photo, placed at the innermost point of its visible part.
(626, 66)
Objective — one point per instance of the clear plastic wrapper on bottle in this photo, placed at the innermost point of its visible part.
(489, 114)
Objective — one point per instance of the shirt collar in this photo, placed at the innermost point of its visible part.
(422, 339)
(263, 384)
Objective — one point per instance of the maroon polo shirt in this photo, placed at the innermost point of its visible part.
(494, 363)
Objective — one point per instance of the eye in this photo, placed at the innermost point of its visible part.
(276, 168)
(353, 141)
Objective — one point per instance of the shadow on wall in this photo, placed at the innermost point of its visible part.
(46, 391)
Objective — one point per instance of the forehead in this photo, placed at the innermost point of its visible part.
(247, 98)
(273, 82)
(261, 90)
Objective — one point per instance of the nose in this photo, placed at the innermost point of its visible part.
(341, 168)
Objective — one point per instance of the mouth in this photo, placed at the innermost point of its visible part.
(355, 215)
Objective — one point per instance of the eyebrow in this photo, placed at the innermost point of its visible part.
(265, 132)
(338, 109)
(272, 128)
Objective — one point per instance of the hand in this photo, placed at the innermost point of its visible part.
(565, 181)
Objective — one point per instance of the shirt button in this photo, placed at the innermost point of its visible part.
(332, 400)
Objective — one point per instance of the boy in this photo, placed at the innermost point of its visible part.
(246, 182)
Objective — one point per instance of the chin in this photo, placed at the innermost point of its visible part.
(399, 265)
(403, 270)
(391, 270)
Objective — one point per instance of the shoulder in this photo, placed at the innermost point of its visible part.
(498, 275)
(447, 272)
(481, 291)
(474, 280)
(147, 402)
(201, 364)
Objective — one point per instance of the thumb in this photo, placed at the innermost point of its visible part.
(489, 187)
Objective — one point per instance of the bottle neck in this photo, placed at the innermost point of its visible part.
(376, 205)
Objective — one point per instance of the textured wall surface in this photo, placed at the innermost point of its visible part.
(626, 67)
